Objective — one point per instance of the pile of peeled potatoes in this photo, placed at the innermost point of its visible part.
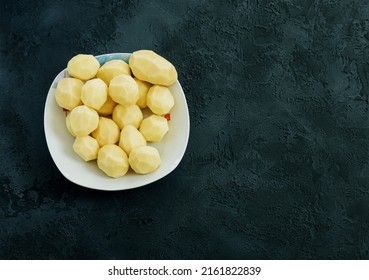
(104, 109)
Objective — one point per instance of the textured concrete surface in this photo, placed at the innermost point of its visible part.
(278, 159)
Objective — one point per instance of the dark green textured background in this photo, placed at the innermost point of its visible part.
(277, 164)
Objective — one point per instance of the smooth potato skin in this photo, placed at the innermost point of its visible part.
(113, 161)
(123, 89)
(112, 69)
(144, 159)
(127, 115)
(131, 138)
(154, 128)
(107, 108)
(86, 147)
(143, 88)
(160, 100)
(107, 132)
(83, 66)
(68, 93)
(148, 66)
(67, 123)
(83, 120)
(94, 93)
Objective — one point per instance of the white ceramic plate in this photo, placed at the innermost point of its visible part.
(87, 174)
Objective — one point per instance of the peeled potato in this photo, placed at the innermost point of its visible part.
(67, 122)
(143, 88)
(107, 132)
(131, 138)
(154, 128)
(144, 159)
(112, 69)
(125, 115)
(107, 108)
(150, 67)
(83, 120)
(94, 93)
(68, 93)
(113, 161)
(83, 66)
(111, 91)
(159, 100)
(86, 147)
(123, 89)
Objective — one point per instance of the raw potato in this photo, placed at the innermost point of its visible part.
(83, 120)
(131, 138)
(125, 115)
(113, 161)
(107, 132)
(123, 89)
(143, 88)
(111, 91)
(112, 69)
(144, 160)
(94, 93)
(68, 93)
(86, 147)
(150, 67)
(159, 100)
(83, 66)
(154, 128)
(67, 122)
(107, 108)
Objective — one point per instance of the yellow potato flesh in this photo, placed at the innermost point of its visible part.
(143, 88)
(131, 138)
(83, 66)
(112, 69)
(107, 108)
(107, 132)
(123, 89)
(144, 159)
(125, 115)
(86, 147)
(67, 122)
(159, 100)
(154, 128)
(68, 93)
(110, 90)
(150, 67)
(113, 161)
(83, 120)
(94, 93)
